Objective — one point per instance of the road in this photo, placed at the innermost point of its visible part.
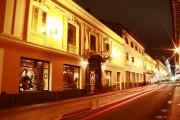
(151, 106)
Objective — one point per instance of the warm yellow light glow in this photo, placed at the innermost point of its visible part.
(43, 29)
(148, 67)
(139, 63)
(114, 53)
(54, 28)
(177, 50)
(103, 67)
(84, 63)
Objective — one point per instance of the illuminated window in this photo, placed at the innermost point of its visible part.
(71, 77)
(71, 34)
(34, 75)
(106, 46)
(108, 81)
(38, 23)
(92, 43)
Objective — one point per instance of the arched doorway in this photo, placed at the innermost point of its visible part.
(94, 74)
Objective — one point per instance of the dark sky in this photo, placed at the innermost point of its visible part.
(150, 20)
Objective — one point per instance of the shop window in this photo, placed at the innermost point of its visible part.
(127, 76)
(118, 76)
(118, 83)
(38, 23)
(137, 77)
(92, 43)
(34, 75)
(71, 34)
(71, 77)
(107, 81)
(133, 77)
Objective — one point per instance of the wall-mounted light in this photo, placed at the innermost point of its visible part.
(54, 28)
(103, 66)
(84, 63)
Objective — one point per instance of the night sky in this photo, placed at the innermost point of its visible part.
(149, 20)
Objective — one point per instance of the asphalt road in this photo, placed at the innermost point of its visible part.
(152, 106)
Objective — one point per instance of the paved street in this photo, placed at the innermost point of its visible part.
(151, 106)
(147, 103)
(175, 112)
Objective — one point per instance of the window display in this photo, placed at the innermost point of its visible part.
(71, 76)
(108, 81)
(34, 75)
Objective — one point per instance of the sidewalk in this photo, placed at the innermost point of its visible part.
(55, 110)
(175, 111)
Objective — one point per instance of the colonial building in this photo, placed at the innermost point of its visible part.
(55, 45)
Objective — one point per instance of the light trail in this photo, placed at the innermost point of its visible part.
(90, 117)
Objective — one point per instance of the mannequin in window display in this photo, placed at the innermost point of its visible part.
(27, 80)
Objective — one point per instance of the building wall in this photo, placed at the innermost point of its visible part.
(134, 62)
(11, 67)
(38, 30)
(1, 66)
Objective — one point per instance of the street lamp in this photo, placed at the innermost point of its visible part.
(177, 50)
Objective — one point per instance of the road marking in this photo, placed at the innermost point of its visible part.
(161, 89)
(160, 117)
(169, 102)
(164, 110)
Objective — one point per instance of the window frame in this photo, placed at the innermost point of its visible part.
(74, 34)
(34, 66)
(95, 42)
(78, 82)
(43, 10)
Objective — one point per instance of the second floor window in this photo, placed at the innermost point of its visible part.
(106, 46)
(136, 48)
(71, 34)
(39, 17)
(92, 43)
(127, 56)
(132, 45)
(133, 59)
